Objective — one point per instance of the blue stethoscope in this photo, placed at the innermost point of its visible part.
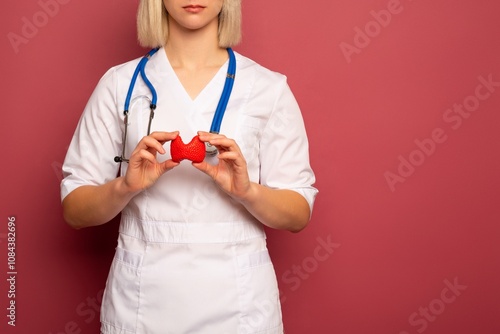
(219, 112)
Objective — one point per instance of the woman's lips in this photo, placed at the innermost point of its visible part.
(194, 8)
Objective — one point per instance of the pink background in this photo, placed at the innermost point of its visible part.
(372, 89)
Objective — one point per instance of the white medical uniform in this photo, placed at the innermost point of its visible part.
(189, 259)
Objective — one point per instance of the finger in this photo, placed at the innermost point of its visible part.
(205, 168)
(207, 136)
(230, 155)
(214, 137)
(154, 142)
(220, 141)
(233, 158)
(168, 165)
(143, 155)
(204, 133)
(164, 136)
(225, 144)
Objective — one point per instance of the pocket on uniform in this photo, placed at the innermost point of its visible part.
(121, 297)
(248, 136)
(258, 295)
(249, 133)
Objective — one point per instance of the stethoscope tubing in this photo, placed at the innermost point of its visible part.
(219, 112)
(141, 69)
(226, 93)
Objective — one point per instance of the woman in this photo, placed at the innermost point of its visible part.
(191, 254)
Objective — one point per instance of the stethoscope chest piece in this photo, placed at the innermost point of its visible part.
(210, 150)
(219, 112)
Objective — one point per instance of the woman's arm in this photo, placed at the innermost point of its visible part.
(95, 205)
(281, 209)
(277, 208)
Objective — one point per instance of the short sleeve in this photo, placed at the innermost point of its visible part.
(284, 151)
(96, 141)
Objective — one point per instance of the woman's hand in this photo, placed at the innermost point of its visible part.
(231, 173)
(143, 167)
(95, 205)
(277, 208)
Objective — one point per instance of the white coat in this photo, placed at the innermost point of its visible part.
(189, 259)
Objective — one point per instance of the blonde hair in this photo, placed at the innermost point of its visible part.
(152, 23)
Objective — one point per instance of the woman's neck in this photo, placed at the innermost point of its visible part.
(194, 50)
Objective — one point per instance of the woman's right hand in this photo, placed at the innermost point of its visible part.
(92, 205)
(143, 167)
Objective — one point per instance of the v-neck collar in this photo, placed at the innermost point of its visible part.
(213, 88)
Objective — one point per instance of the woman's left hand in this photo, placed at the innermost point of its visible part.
(231, 173)
(277, 208)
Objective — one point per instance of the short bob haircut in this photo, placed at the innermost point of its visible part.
(152, 23)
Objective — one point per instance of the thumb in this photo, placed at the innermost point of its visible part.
(204, 167)
(168, 165)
